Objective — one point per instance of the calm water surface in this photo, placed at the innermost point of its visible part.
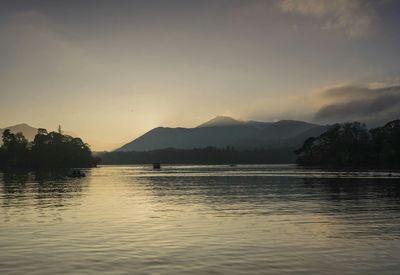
(259, 219)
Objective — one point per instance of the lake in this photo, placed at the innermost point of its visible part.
(247, 219)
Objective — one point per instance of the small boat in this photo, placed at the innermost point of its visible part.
(232, 165)
(156, 165)
(77, 174)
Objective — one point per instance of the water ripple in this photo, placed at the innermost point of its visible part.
(247, 219)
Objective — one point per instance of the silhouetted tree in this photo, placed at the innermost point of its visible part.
(48, 150)
(386, 143)
(351, 144)
(14, 150)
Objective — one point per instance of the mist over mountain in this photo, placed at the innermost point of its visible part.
(223, 131)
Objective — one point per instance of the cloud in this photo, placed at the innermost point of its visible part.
(353, 17)
(369, 104)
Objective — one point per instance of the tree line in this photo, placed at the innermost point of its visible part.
(208, 155)
(47, 150)
(342, 145)
(352, 144)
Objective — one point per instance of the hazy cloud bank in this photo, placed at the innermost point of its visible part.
(370, 104)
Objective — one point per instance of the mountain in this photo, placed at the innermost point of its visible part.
(259, 124)
(222, 132)
(312, 132)
(189, 138)
(284, 129)
(221, 121)
(225, 121)
(28, 131)
(280, 134)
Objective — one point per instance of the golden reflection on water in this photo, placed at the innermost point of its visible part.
(200, 219)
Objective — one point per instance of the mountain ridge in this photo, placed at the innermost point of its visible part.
(222, 131)
(220, 121)
(29, 131)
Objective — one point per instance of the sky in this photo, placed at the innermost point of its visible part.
(111, 70)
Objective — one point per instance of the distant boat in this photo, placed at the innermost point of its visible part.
(156, 165)
(232, 165)
(77, 174)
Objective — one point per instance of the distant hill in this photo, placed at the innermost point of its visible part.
(225, 121)
(221, 132)
(312, 132)
(281, 134)
(221, 121)
(189, 138)
(259, 124)
(284, 129)
(28, 131)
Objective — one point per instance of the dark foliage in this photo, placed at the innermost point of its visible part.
(209, 155)
(48, 150)
(351, 144)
